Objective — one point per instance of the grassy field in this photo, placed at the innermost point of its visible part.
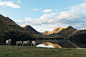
(28, 51)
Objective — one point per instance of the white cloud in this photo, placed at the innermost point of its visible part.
(35, 9)
(40, 30)
(79, 8)
(44, 19)
(69, 15)
(47, 16)
(19, 1)
(75, 12)
(28, 19)
(19, 21)
(74, 17)
(9, 3)
(47, 10)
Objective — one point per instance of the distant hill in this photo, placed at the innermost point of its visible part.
(6, 24)
(9, 29)
(57, 30)
(28, 27)
(79, 37)
(66, 32)
(46, 33)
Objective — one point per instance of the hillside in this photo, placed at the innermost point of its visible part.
(46, 33)
(78, 37)
(31, 29)
(66, 32)
(9, 29)
(6, 24)
(57, 30)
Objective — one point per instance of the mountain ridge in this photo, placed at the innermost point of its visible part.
(30, 28)
(9, 29)
(57, 30)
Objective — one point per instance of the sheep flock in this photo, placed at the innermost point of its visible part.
(21, 43)
(33, 43)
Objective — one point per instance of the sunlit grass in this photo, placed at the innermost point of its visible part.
(28, 51)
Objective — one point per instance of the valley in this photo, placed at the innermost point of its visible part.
(9, 29)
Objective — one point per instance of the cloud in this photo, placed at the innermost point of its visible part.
(47, 16)
(19, 21)
(38, 28)
(75, 16)
(79, 8)
(10, 4)
(47, 10)
(19, 1)
(35, 9)
(28, 19)
(69, 15)
(64, 19)
(44, 19)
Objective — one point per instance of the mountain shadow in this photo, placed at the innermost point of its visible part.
(10, 30)
(28, 27)
(79, 38)
(66, 32)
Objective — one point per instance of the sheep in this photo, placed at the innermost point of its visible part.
(8, 42)
(19, 43)
(26, 42)
(33, 43)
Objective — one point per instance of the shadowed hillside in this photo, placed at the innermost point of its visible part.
(6, 24)
(78, 37)
(9, 29)
(66, 32)
(28, 27)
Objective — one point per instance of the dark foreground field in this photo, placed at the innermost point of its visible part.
(28, 51)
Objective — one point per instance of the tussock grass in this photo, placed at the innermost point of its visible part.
(28, 51)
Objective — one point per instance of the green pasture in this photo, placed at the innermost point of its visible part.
(28, 51)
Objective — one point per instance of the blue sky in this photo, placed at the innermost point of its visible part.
(46, 15)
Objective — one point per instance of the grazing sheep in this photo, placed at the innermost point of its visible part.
(33, 43)
(8, 42)
(19, 43)
(26, 42)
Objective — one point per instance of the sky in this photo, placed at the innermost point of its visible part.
(46, 15)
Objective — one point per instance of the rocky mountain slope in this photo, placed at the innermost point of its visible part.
(46, 33)
(66, 32)
(60, 32)
(57, 30)
(9, 29)
(28, 27)
(6, 24)
(79, 37)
